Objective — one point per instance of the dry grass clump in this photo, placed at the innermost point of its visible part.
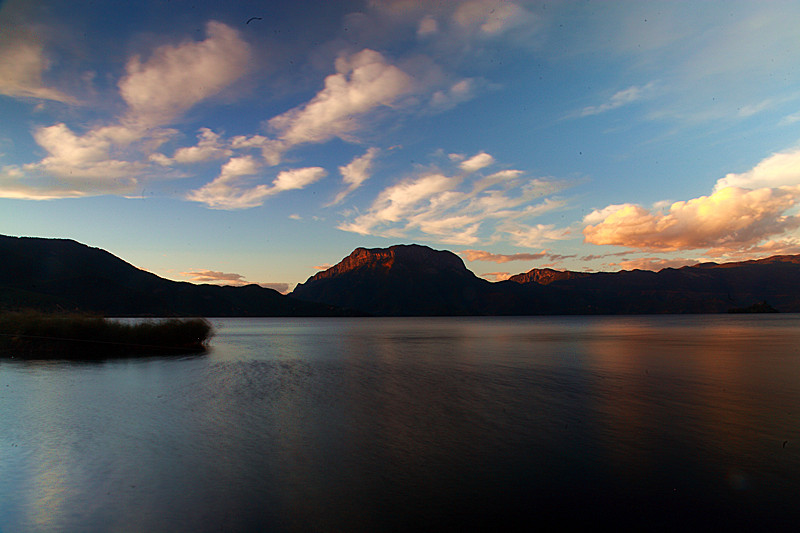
(71, 336)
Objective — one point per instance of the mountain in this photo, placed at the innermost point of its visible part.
(403, 280)
(416, 280)
(409, 280)
(64, 275)
(702, 288)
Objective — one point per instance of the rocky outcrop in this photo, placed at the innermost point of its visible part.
(408, 280)
(545, 276)
(411, 258)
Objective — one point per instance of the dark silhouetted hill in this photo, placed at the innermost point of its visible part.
(403, 280)
(410, 280)
(703, 288)
(64, 275)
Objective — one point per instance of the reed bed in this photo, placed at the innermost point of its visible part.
(73, 336)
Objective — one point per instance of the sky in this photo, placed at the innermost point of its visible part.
(258, 142)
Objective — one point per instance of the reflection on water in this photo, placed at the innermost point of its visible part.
(375, 424)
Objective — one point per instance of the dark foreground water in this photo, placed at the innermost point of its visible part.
(646, 423)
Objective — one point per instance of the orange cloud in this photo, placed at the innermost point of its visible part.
(496, 276)
(214, 276)
(729, 218)
(229, 278)
(653, 263)
(480, 255)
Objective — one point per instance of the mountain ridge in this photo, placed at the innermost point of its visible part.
(65, 275)
(402, 280)
(545, 276)
(377, 282)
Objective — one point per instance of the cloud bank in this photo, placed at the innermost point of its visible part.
(744, 210)
(453, 207)
(109, 159)
(480, 255)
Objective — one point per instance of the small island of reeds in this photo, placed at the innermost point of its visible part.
(35, 335)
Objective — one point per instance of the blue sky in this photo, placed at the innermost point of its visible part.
(234, 142)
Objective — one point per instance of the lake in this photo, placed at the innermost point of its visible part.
(385, 424)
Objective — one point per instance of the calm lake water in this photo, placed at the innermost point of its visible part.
(649, 423)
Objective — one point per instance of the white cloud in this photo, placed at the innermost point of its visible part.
(208, 147)
(19, 185)
(503, 175)
(455, 208)
(110, 159)
(619, 99)
(504, 16)
(457, 93)
(23, 60)
(753, 109)
(297, 178)
(395, 203)
(355, 173)
(83, 165)
(230, 190)
(227, 191)
(775, 171)
(477, 162)
(527, 236)
(69, 149)
(427, 26)
(790, 119)
(176, 78)
(363, 82)
(358, 170)
(104, 160)
(251, 141)
(490, 18)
